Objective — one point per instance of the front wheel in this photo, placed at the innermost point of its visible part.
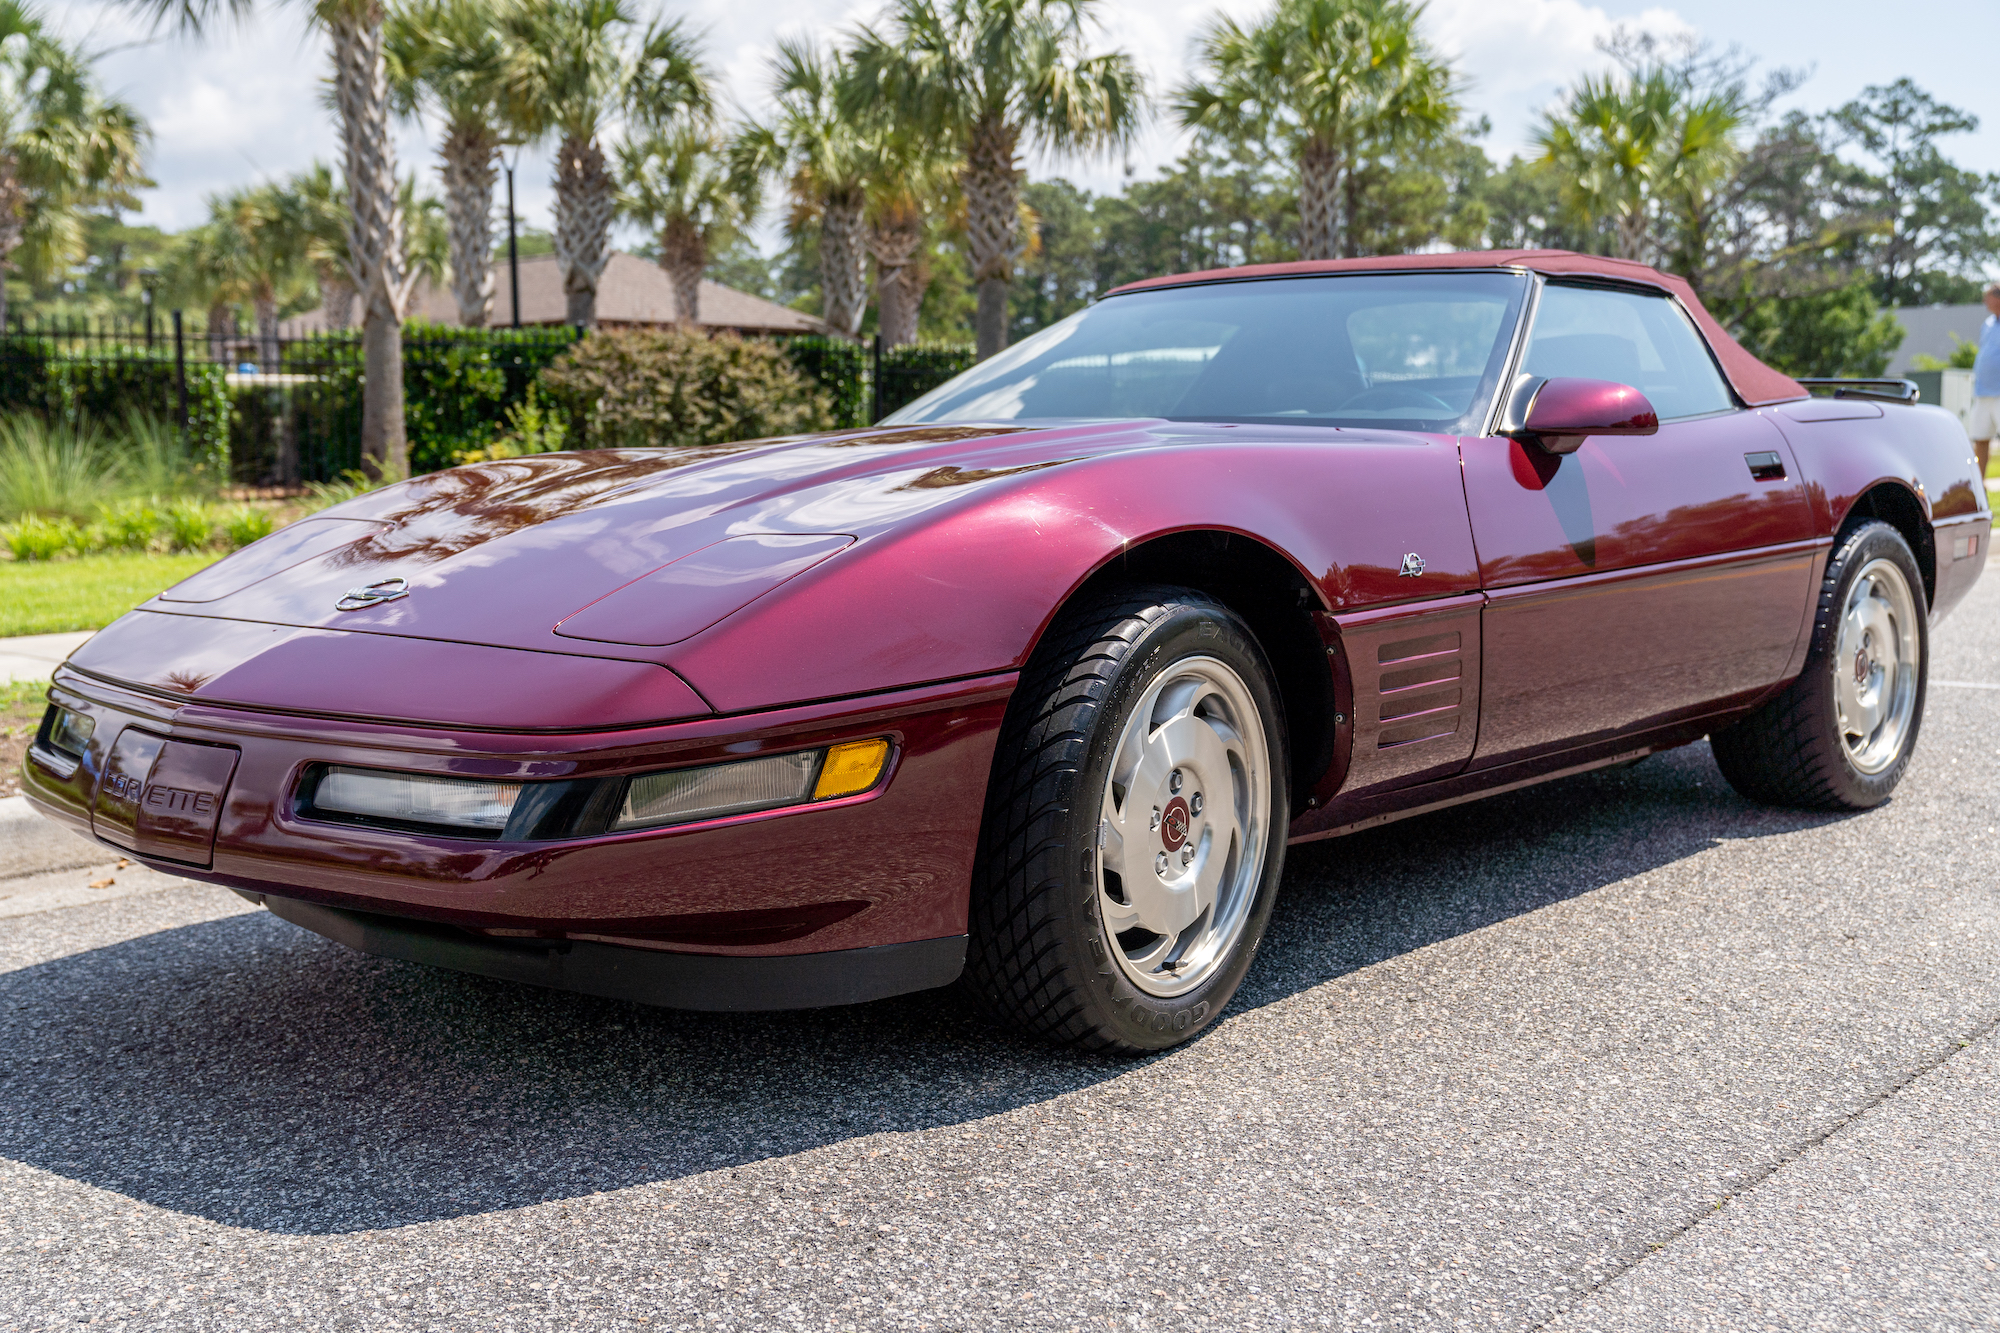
(1135, 826)
(1840, 736)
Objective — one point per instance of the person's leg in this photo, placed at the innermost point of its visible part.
(1982, 423)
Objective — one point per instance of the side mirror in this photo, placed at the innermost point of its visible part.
(1558, 414)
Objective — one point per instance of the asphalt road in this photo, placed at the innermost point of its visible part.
(1622, 1052)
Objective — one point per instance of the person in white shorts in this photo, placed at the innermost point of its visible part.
(1982, 423)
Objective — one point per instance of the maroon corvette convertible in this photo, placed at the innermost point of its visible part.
(1030, 685)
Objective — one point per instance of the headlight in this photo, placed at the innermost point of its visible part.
(687, 794)
(70, 732)
(404, 798)
(547, 811)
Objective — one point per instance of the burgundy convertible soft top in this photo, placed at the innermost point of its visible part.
(1755, 382)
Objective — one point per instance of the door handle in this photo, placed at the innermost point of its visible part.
(1765, 466)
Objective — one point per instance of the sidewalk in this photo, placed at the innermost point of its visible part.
(34, 656)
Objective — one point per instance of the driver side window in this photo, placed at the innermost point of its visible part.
(1644, 341)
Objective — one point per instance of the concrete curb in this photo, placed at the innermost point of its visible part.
(32, 845)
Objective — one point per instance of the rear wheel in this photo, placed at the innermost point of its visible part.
(1135, 829)
(1840, 736)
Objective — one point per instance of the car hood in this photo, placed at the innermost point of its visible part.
(505, 553)
(771, 572)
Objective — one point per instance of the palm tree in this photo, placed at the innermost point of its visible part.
(1604, 148)
(270, 226)
(569, 75)
(906, 177)
(375, 223)
(427, 238)
(820, 150)
(323, 209)
(451, 55)
(210, 267)
(1335, 82)
(64, 147)
(980, 76)
(680, 183)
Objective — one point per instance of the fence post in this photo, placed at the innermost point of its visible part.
(875, 381)
(181, 375)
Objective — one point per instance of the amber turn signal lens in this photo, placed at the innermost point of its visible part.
(850, 768)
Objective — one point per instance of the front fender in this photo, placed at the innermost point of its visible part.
(966, 589)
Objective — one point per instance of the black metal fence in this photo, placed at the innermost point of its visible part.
(277, 410)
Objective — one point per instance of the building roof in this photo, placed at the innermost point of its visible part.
(632, 293)
(1928, 330)
(1754, 381)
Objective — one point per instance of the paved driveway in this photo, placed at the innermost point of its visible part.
(1620, 1052)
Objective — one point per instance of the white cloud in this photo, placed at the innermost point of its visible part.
(1520, 54)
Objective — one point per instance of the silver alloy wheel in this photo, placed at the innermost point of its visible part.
(1183, 826)
(1875, 666)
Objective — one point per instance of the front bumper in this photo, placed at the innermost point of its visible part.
(829, 887)
(645, 976)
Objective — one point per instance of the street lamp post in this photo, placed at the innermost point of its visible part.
(513, 252)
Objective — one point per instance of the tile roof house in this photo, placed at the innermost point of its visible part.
(1932, 330)
(633, 293)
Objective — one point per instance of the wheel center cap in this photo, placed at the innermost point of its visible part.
(1174, 824)
(1861, 666)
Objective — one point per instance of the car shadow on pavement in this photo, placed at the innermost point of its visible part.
(245, 1071)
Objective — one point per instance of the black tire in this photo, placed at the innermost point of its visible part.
(1791, 751)
(1038, 955)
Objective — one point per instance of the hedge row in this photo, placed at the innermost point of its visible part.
(464, 392)
(36, 377)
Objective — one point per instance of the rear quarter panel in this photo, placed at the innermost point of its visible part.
(1846, 448)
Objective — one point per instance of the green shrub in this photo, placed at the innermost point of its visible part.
(128, 525)
(531, 428)
(107, 388)
(326, 494)
(153, 459)
(190, 525)
(244, 525)
(838, 366)
(36, 538)
(1963, 354)
(458, 384)
(910, 372)
(671, 387)
(73, 469)
(55, 471)
(1835, 332)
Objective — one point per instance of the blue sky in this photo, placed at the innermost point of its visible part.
(246, 104)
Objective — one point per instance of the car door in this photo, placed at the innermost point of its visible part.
(1640, 580)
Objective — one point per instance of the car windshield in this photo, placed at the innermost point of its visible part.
(1410, 351)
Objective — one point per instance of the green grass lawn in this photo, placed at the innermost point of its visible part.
(88, 592)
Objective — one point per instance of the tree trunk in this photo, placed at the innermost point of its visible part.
(374, 235)
(843, 276)
(1350, 213)
(13, 229)
(992, 184)
(469, 168)
(1632, 235)
(336, 296)
(1319, 201)
(893, 241)
(684, 256)
(382, 395)
(585, 198)
(265, 303)
(221, 327)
